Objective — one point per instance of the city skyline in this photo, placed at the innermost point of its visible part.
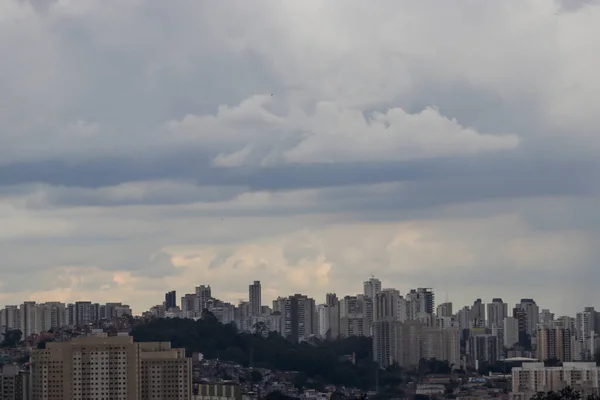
(489, 309)
(147, 145)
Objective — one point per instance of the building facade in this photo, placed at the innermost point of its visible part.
(110, 368)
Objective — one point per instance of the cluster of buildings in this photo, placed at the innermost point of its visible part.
(115, 367)
(98, 366)
(32, 318)
(407, 327)
(534, 377)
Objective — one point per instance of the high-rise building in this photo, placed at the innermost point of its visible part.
(110, 368)
(444, 310)
(464, 318)
(554, 343)
(585, 332)
(520, 315)
(483, 348)
(331, 299)
(534, 377)
(204, 291)
(48, 316)
(70, 314)
(84, 313)
(298, 316)
(254, 296)
(441, 344)
(10, 318)
(385, 327)
(189, 302)
(386, 305)
(372, 287)
(532, 313)
(478, 313)
(497, 310)
(14, 383)
(385, 341)
(171, 299)
(203, 295)
(427, 300)
(322, 321)
(546, 317)
(355, 316)
(28, 318)
(511, 331)
(165, 372)
(419, 301)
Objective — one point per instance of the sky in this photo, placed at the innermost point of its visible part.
(148, 146)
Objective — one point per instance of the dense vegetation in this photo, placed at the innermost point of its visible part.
(567, 393)
(11, 337)
(320, 361)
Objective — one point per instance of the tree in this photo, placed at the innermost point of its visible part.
(567, 393)
(324, 359)
(300, 381)
(337, 396)
(277, 395)
(209, 316)
(42, 343)
(12, 337)
(256, 376)
(260, 328)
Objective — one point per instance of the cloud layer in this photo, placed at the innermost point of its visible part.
(147, 146)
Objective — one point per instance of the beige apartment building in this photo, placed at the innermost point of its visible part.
(533, 377)
(110, 368)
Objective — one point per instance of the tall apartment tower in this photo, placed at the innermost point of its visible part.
(14, 383)
(110, 368)
(10, 318)
(532, 313)
(554, 343)
(203, 295)
(386, 327)
(298, 316)
(170, 299)
(444, 310)
(372, 287)
(356, 313)
(331, 299)
(83, 313)
(511, 332)
(28, 318)
(478, 314)
(254, 296)
(420, 301)
(497, 310)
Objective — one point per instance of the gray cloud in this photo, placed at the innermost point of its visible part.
(133, 135)
(221, 258)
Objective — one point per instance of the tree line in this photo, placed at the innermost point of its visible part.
(321, 361)
(567, 393)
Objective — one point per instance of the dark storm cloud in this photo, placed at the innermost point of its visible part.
(426, 183)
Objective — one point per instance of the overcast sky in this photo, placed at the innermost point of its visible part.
(151, 145)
